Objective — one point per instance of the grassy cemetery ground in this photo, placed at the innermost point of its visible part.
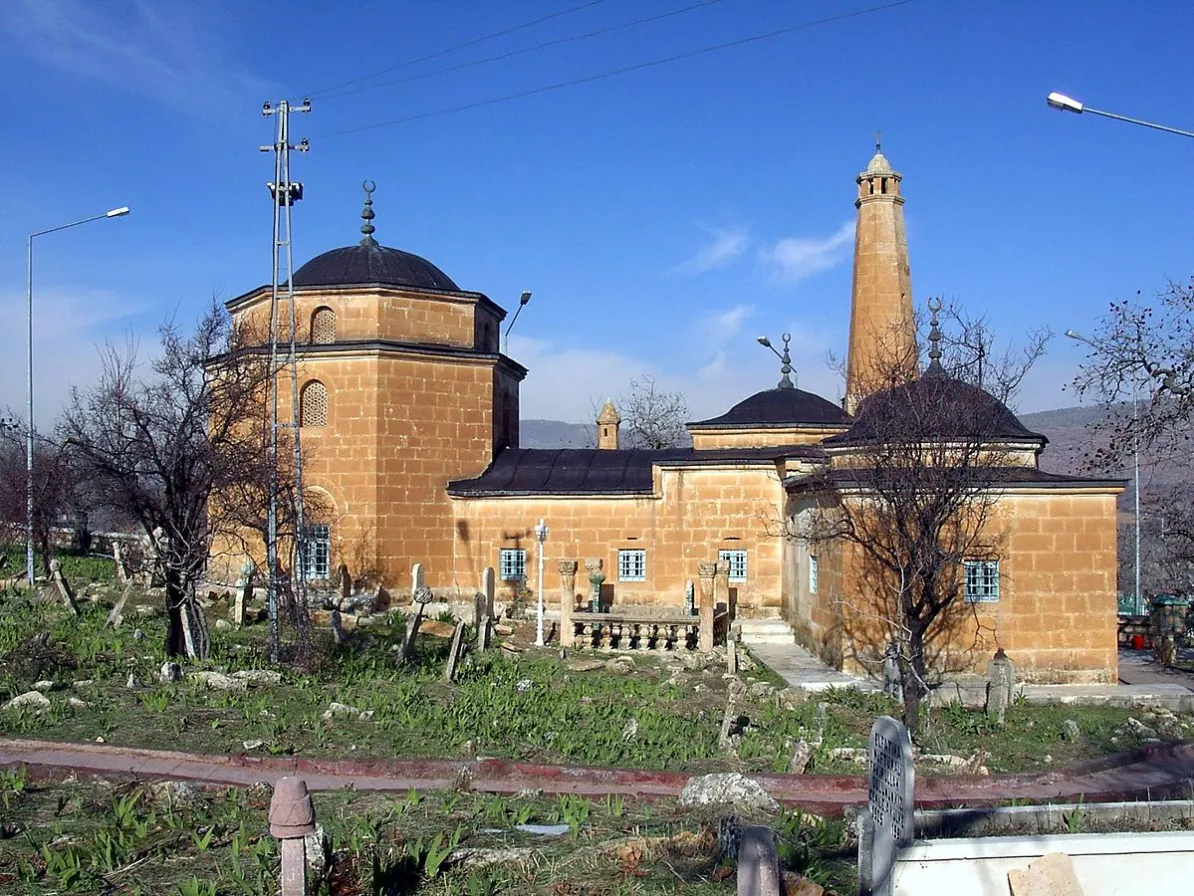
(651, 710)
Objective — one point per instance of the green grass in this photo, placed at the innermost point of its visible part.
(78, 568)
(96, 838)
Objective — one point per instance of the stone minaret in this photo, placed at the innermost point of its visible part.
(607, 427)
(882, 349)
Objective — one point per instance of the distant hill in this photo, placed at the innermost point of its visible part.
(1068, 431)
(556, 434)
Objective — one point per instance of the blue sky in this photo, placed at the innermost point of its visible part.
(663, 217)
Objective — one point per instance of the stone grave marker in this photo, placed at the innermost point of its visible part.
(122, 573)
(421, 594)
(1001, 685)
(758, 863)
(291, 819)
(243, 594)
(455, 652)
(567, 569)
(62, 586)
(116, 614)
(705, 577)
(417, 582)
(887, 822)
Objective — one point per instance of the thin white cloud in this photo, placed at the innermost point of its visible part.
(729, 243)
(562, 379)
(164, 50)
(723, 325)
(795, 258)
(69, 326)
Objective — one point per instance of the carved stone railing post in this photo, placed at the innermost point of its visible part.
(291, 819)
(596, 579)
(567, 601)
(705, 573)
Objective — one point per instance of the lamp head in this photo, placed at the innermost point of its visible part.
(524, 298)
(1074, 334)
(117, 212)
(763, 341)
(1064, 103)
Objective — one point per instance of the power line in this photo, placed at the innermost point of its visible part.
(618, 71)
(550, 43)
(453, 49)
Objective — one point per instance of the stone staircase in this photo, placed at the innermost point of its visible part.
(763, 631)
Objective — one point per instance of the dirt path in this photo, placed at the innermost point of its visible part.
(1154, 771)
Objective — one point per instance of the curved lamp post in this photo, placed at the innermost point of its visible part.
(112, 213)
(1068, 104)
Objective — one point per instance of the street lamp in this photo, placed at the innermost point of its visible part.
(785, 381)
(541, 533)
(111, 213)
(1078, 337)
(1064, 103)
(522, 302)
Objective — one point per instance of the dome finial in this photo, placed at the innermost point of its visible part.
(878, 141)
(367, 214)
(934, 339)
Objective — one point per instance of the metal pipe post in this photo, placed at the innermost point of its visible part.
(29, 421)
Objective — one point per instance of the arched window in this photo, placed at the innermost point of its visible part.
(313, 404)
(323, 326)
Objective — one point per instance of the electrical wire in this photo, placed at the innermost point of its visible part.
(453, 49)
(688, 54)
(332, 94)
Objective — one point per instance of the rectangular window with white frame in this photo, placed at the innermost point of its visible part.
(736, 561)
(982, 581)
(812, 575)
(512, 565)
(632, 565)
(316, 552)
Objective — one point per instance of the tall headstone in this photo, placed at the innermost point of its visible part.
(567, 570)
(758, 862)
(596, 580)
(454, 652)
(888, 820)
(690, 598)
(721, 586)
(122, 573)
(244, 593)
(705, 573)
(418, 585)
(62, 586)
(1001, 685)
(345, 581)
(291, 819)
(488, 588)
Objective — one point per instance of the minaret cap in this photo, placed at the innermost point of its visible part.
(609, 413)
(367, 214)
(934, 368)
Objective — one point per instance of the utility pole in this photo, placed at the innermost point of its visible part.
(284, 193)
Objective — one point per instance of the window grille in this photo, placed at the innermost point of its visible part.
(323, 326)
(632, 566)
(736, 561)
(512, 564)
(982, 581)
(812, 575)
(313, 404)
(317, 552)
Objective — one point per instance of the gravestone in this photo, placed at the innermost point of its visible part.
(421, 595)
(454, 652)
(122, 573)
(291, 820)
(596, 580)
(758, 862)
(886, 826)
(116, 615)
(1001, 685)
(484, 600)
(417, 583)
(244, 593)
(705, 573)
(731, 656)
(488, 588)
(345, 584)
(690, 598)
(63, 587)
(567, 570)
(892, 679)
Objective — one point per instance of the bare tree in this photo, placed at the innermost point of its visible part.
(53, 490)
(156, 441)
(652, 417)
(913, 499)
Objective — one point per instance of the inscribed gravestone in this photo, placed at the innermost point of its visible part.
(416, 581)
(889, 805)
(488, 588)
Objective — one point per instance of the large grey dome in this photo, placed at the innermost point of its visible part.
(372, 264)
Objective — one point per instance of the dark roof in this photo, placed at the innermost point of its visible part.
(579, 471)
(371, 264)
(1011, 477)
(934, 405)
(774, 408)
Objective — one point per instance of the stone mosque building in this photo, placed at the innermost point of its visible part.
(409, 415)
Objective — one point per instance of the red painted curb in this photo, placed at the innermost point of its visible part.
(1152, 771)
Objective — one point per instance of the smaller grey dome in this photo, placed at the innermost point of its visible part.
(783, 407)
(879, 164)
